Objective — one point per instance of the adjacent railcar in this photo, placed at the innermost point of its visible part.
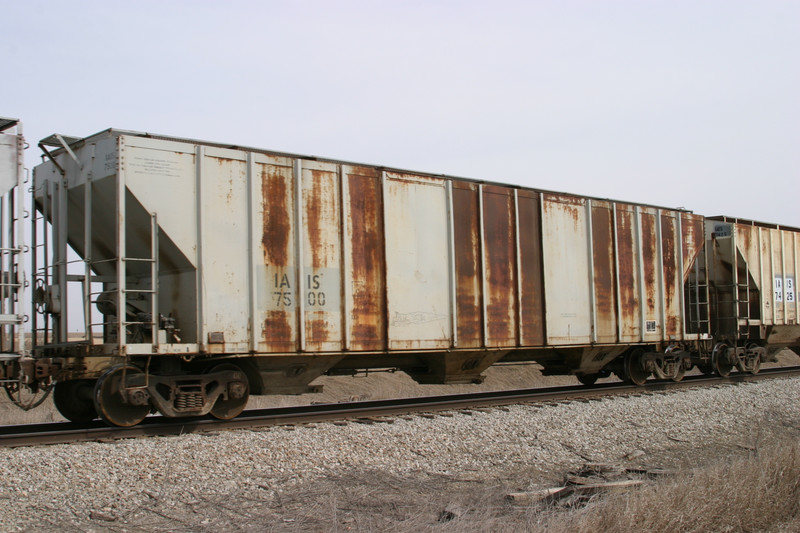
(203, 273)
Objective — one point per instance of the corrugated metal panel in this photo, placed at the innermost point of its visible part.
(650, 297)
(499, 259)
(770, 257)
(418, 266)
(328, 257)
(467, 241)
(365, 290)
(792, 290)
(227, 286)
(789, 274)
(605, 294)
(693, 231)
(628, 273)
(530, 269)
(776, 258)
(673, 279)
(768, 295)
(161, 175)
(8, 162)
(277, 244)
(321, 257)
(566, 266)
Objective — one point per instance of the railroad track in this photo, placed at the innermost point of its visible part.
(69, 432)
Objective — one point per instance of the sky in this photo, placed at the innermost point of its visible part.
(692, 104)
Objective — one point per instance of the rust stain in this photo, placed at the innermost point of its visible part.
(532, 282)
(649, 256)
(468, 279)
(571, 205)
(276, 237)
(499, 264)
(313, 204)
(367, 256)
(693, 237)
(672, 282)
(321, 203)
(278, 330)
(321, 206)
(317, 328)
(627, 265)
(276, 246)
(603, 260)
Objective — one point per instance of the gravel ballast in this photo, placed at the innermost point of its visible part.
(117, 484)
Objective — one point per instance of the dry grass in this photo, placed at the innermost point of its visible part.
(760, 492)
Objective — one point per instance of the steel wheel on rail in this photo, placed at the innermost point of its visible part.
(754, 369)
(588, 379)
(679, 373)
(74, 400)
(24, 395)
(677, 369)
(722, 366)
(634, 367)
(232, 406)
(752, 360)
(109, 397)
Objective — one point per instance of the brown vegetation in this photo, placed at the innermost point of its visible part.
(758, 492)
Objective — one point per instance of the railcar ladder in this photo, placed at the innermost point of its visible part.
(698, 298)
(12, 238)
(128, 315)
(131, 306)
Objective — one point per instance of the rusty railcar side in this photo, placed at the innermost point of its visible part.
(753, 275)
(293, 266)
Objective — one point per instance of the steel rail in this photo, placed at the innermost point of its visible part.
(69, 432)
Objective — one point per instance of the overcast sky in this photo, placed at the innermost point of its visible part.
(676, 103)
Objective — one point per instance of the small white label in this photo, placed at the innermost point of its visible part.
(650, 326)
(778, 289)
(789, 287)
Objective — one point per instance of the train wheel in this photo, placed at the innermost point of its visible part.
(678, 376)
(634, 369)
(24, 395)
(588, 379)
(109, 402)
(73, 399)
(225, 409)
(753, 358)
(756, 366)
(722, 366)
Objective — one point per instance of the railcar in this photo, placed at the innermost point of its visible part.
(182, 276)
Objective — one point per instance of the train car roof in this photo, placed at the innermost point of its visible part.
(54, 141)
(736, 220)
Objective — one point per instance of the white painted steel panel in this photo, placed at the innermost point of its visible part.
(161, 175)
(418, 266)
(566, 270)
(671, 309)
(277, 303)
(767, 296)
(652, 275)
(789, 277)
(776, 243)
(8, 162)
(322, 257)
(225, 282)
